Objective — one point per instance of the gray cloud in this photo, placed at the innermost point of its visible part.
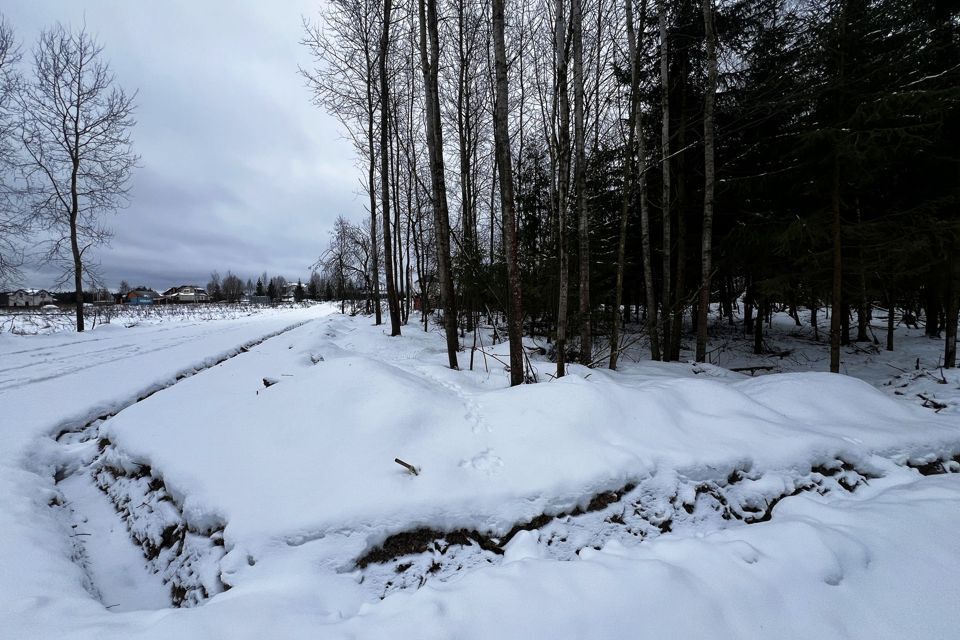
(239, 170)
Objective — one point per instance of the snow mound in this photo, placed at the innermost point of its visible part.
(312, 457)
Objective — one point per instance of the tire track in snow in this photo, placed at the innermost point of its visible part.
(87, 432)
(184, 373)
(83, 360)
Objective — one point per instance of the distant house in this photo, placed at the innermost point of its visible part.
(142, 295)
(186, 293)
(26, 298)
(433, 298)
(290, 291)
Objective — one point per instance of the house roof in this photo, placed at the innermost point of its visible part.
(142, 292)
(183, 289)
(186, 290)
(29, 292)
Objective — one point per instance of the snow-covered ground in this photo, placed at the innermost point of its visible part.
(664, 500)
(41, 322)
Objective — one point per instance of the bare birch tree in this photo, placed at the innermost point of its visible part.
(562, 145)
(388, 252)
(429, 60)
(344, 45)
(666, 318)
(635, 185)
(580, 181)
(706, 246)
(75, 130)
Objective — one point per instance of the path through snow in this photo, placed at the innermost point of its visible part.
(118, 570)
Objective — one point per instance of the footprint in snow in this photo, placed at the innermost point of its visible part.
(485, 461)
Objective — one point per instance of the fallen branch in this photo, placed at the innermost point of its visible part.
(753, 370)
(859, 349)
(930, 403)
(485, 354)
(409, 467)
(624, 345)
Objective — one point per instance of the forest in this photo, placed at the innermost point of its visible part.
(597, 170)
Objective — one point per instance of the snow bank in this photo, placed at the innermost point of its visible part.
(819, 569)
(313, 456)
(876, 566)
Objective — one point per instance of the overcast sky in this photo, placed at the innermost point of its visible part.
(238, 169)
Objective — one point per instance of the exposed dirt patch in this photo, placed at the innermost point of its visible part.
(936, 467)
(423, 539)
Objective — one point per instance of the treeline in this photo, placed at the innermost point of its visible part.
(231, 288)
(578, 164)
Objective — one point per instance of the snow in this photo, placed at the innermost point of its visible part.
(297, 482)
(115, 563)
(52, 319)
(820, 569)
(489, 457)
(57, 382)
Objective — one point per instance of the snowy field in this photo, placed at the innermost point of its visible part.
(235, 478)
(38, 322)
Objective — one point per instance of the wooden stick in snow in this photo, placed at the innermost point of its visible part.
(409, 467)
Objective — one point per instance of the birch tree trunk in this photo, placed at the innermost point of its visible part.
(505, 168)
(953, 308)
(666, 319)
(706, 246)
(385, 171)
(563, 180)
(580, 182)
(836, 301)
(628, 191)
(430, 59)
(371, 191)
